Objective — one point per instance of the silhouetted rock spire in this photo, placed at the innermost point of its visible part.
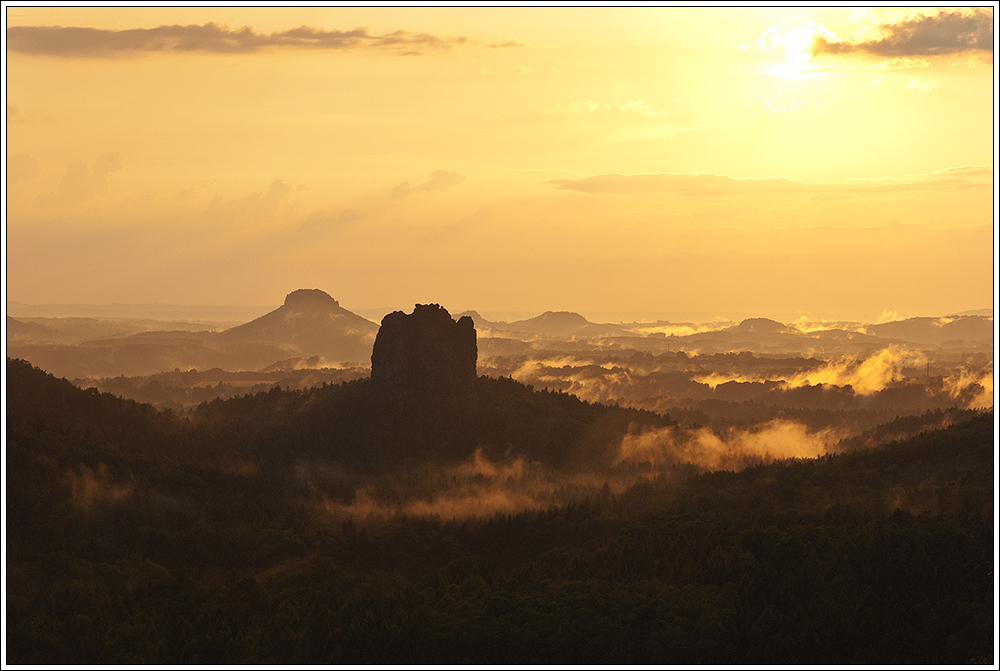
(425, 353)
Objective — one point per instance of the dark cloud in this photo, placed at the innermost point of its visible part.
(76, 42)
(80, 184)
(709, 184)
(947, 32)
(439, 179)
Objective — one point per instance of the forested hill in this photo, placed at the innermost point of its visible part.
(138, 537)
(502, 418)
(342, 423)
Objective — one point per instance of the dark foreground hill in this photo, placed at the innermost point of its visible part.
(135, 536)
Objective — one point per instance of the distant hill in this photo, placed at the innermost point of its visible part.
(77, 330)
(554, 325)
(935, 331)
(159, 311)
(312, 323)
(309, 324)
(26, 331)
(761, 325)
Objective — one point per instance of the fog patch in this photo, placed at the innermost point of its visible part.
(976, 387)
(92, 486)
(475, 488)
(732, 450)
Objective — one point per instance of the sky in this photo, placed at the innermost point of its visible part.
(821, 161)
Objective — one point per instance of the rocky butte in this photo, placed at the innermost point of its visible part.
(425, 353)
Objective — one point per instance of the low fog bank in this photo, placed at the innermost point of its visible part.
(851, 392)
(480, 487)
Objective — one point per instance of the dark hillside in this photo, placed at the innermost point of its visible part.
(347, 424)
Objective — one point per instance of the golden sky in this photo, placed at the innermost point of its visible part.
(831, 162)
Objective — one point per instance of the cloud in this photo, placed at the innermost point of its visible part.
(402, 190)
(946, 32)
(78, 42)
(711, 184)
(901, 63)
(21, 167)
(508, 44)
(921, 86)
(796, 42)
(887, 316)
(321, 220)
(253, 209)
(80, 184)
(439, 179)
(774, 106)
(631, 108)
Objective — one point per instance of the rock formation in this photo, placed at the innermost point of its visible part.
(424, 353)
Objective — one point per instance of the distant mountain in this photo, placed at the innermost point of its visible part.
(312, 323)
(309, 324)
(985, 312)
(565, 325)
(935, 331)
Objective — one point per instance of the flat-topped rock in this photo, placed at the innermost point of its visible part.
(310, 300)
(424, 353)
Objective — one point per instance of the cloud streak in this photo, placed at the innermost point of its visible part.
(712, 184)
(79, 42)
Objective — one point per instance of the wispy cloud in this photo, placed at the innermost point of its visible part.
(630, 108)
(901, 63)
(439, 179)
(79, 42)
(320, 220)
(776, 106)
(711, 184)
(921, 86)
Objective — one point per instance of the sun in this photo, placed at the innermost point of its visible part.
(797, 44)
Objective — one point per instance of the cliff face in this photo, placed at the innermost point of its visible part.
(424, 353)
